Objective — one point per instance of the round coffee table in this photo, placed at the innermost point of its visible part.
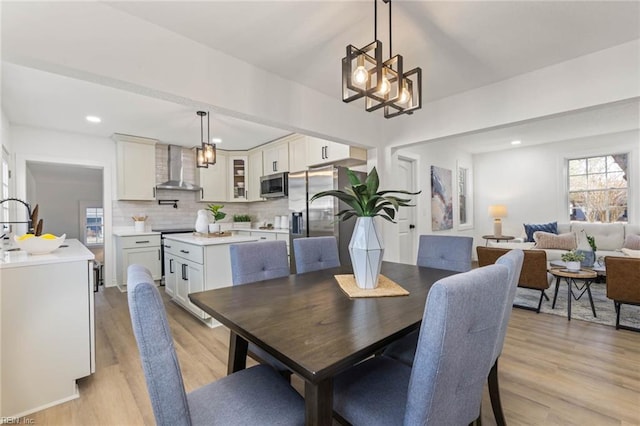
(572, 277)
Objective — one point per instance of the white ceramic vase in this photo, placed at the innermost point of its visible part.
(573, 266)
(202, 222)
(366, 249)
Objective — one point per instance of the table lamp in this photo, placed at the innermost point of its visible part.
(497, 212)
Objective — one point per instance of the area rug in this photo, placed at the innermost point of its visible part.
(581, 309)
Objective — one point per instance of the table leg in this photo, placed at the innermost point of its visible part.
(555, 294)
(569, 297)
(318, 400)
(237, 353)
(593, 308)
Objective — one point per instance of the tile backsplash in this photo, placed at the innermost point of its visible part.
(164, 216)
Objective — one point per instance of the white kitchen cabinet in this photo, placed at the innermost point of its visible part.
(136, 167)
(238, 177)
(143, 249)
(170, 274)
(298, 153)
(275, 158)
(320, 152)
(190, 279)
(213, 180)
(194, 264)
(255, 172)
(47, 331)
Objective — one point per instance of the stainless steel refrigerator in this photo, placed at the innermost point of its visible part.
(318, 218)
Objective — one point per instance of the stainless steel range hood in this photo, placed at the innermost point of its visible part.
(176, 172)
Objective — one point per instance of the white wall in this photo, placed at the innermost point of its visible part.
(532, 182)
(49, 146)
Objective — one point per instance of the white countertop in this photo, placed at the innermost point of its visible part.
(206, 241)
(130, 232)
(272, 230)
(74, 252)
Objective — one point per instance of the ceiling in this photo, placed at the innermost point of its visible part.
(460, 46)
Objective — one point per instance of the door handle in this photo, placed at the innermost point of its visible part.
(412, 227)
(171, 266)
(184, 273)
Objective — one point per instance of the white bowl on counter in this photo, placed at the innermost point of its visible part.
(39, 245)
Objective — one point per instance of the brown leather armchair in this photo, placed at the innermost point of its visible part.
(534, 270)
(623, 284)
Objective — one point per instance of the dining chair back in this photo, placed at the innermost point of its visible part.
(258, 261)
(258, 395)
(315, 253)
(448, 252)
(459, 331)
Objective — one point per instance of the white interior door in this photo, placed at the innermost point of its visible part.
(407, 215)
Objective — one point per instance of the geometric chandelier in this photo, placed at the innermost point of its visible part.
(206, 154)
(383, 84)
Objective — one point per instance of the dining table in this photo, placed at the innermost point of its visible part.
(311, 326)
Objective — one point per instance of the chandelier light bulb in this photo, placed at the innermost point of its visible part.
(360, 74)
(405, 96)
(385, 86)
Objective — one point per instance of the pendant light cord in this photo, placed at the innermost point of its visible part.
(390, 49)
(208, 128)
(375, 20)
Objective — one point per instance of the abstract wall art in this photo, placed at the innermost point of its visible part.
(441, 199)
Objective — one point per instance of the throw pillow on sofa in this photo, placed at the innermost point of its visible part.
(632, 242)
(631, 253)
(547, 240)
(529, 229)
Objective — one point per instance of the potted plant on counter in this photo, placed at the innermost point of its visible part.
(217, 214)
(241, 221)
(366, 202)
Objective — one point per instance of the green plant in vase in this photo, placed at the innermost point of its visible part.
(365, 202)
(216, 212)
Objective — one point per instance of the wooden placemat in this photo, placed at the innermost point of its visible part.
(386, 287)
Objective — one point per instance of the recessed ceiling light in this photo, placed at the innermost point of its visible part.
(93, 119)
(216, 140)
(515, 142)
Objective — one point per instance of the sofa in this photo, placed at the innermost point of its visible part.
(609, 237)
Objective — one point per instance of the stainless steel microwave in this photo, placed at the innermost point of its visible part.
(274, 186)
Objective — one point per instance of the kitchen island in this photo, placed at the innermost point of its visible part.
(193, 264)
(47, 327)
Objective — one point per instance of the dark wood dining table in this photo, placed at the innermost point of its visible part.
(310, 325)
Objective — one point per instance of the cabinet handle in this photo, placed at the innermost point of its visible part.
(263, 238)
(154, 192)
(171, 266)
(184, 251)
(184, 272)
(167, 246)
(142, 242)
(275, 166)
(159, 258)
(201, 193)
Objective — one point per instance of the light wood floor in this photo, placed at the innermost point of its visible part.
(552, 372)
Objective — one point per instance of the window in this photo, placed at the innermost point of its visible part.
(598, 188)
(94, 226)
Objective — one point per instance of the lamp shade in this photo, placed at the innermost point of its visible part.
(498, 210)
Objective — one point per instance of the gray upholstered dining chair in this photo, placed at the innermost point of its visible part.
(315, 253)
(257, 395)
(404, 350)
(459, 330)
(259, 261)
(448, 252)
